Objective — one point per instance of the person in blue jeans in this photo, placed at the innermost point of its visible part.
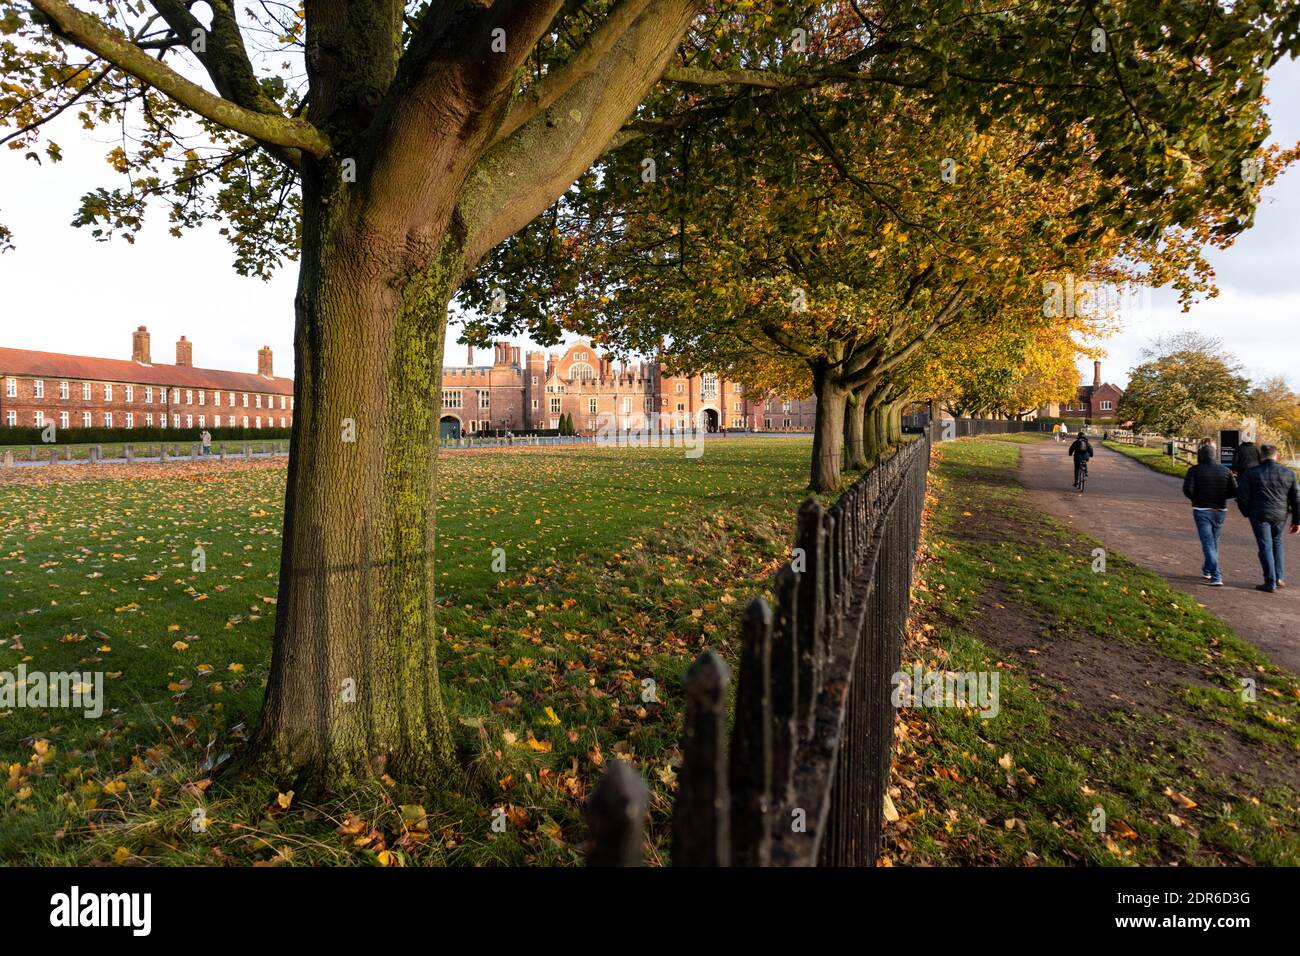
(1209, 485)
(1267, 493)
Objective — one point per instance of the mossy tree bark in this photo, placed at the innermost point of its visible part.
(855, 454)
(828, 430)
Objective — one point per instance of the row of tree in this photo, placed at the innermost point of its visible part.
(1188, 384)
(857, 196)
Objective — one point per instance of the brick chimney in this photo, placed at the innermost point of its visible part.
(264, 362)
(469, 355)
(184, 352)
(1096, 374)
(140, 346)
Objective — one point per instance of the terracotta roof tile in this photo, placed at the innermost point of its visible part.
(57, 365)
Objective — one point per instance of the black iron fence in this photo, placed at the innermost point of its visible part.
(801, 779)
(946, 429)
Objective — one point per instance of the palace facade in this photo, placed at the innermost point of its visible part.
(517, 392)
(74, 391)
(531, 391)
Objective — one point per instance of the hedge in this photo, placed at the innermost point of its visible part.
(103, 436)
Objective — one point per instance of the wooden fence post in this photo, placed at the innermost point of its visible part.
(701, 830)
(785, 682)
(616, 812)
(751, 742)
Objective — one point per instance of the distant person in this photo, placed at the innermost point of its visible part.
(1246, 458)
(1209, 485)
(1056, 432)
(206, 439)
(1267, 493)
(1080, 450)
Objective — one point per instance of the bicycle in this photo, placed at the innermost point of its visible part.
(1081, 475)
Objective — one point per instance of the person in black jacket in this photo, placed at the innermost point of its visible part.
(1246, 458)
(1080, 450)
(1268, 492)
(1209, 485)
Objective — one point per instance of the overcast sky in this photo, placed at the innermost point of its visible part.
(64, 292)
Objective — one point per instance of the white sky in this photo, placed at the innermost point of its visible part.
(63, 292)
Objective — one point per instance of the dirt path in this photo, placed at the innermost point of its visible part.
(1143, 515)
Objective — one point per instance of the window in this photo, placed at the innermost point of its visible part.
(681, 406)
(1106, 406)
(130, 420)
(245, 399)
(85, 391)
(257, 399)
(176, 396)
(627, 406)
(534, 379)
(785, 423)
(581, 370)
(282, 425)
(555, 406)
(148, 394)
(709, 386)
(591, 406)
(39, 385)
(189, 421)
(108, 419)
(40, 419)
(11, 419)
(203, 422)
(451, 398)
(85, 419)
(201, 396)
(176, 420)
(189, 396)
(63, 419)
(130, 393)
(245, 421)
(11, 388)
(681, 388)
(231, 399)
(108, 393)
(258, 421)
(63, 390)
(785, 406)
(148, 420)
(216, 399)
(535, 404)
(282, 403)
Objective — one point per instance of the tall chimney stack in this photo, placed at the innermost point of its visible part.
(140, 346)
(264, 362)
(184, 352)
(1096, 373)
(469, 355)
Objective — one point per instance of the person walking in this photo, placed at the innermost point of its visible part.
(206, 439)
(1267, 493)
(1209, 485)
(1246, 458)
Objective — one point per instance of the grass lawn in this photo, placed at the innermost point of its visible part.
(622, 565)
(1154, 458)
(1116, 692)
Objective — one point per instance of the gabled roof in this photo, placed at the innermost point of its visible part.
(58, 365)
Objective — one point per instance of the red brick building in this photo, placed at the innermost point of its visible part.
(73, 391)
(535, 390)
(1096, 402)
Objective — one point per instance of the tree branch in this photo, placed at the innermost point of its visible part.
(92, 34)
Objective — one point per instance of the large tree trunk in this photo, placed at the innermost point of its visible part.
(353, 688)
(828, 431)
(855, 453)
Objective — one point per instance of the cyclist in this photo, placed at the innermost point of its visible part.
(1080, 451)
